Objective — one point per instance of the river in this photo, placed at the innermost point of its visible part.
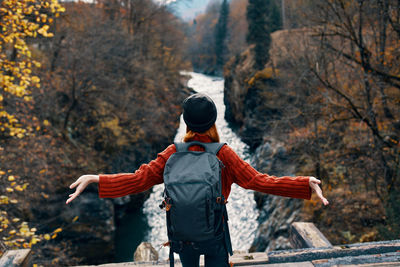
(149, 224)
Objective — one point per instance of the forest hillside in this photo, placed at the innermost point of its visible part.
(329, 94)
(313, 88)
(85, 88)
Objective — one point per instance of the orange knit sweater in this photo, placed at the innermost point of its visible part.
(235, 171)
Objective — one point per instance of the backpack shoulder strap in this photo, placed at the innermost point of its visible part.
(180, 147)
(209, 147)
(214, 147)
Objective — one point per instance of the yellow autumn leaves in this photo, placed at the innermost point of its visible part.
(53, 235)
(5, 199)
(24, 236)
(13, 186)
(15, 232)
(19, 233)
(20, 19)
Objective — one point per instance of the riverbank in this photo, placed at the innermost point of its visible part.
(286, 116)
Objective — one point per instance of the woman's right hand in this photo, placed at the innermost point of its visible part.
(81, 184)
(314, 184)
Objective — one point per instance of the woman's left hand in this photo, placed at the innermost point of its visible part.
(314, 184)
(81, 184)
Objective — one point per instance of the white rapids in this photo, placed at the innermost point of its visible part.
(241, 207)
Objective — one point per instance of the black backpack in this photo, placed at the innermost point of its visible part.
(196, 211)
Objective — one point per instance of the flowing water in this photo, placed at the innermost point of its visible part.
(241, 207)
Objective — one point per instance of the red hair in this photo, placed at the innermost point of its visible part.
(211, 132)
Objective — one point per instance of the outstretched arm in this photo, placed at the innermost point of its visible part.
(81, 184)
(122, 184)
(247, 177)
(314, 184)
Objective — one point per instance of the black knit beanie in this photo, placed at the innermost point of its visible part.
(199, 112)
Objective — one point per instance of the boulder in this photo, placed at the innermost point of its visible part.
(145, 252)
(276, 213)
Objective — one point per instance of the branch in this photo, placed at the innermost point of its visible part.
(354, 110)
(385, 76)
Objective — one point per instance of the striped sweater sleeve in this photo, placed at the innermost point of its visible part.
(148, 175)
(247, 177)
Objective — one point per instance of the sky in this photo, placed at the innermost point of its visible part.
(188, 9)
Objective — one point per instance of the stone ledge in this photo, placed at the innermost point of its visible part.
(362, 260)
(16, 258)
(307, 235)
(353, 250)
(360, 255)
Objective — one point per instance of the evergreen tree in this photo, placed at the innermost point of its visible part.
(221, 34)
(263, 17)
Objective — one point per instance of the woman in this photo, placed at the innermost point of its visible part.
(199, 114)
